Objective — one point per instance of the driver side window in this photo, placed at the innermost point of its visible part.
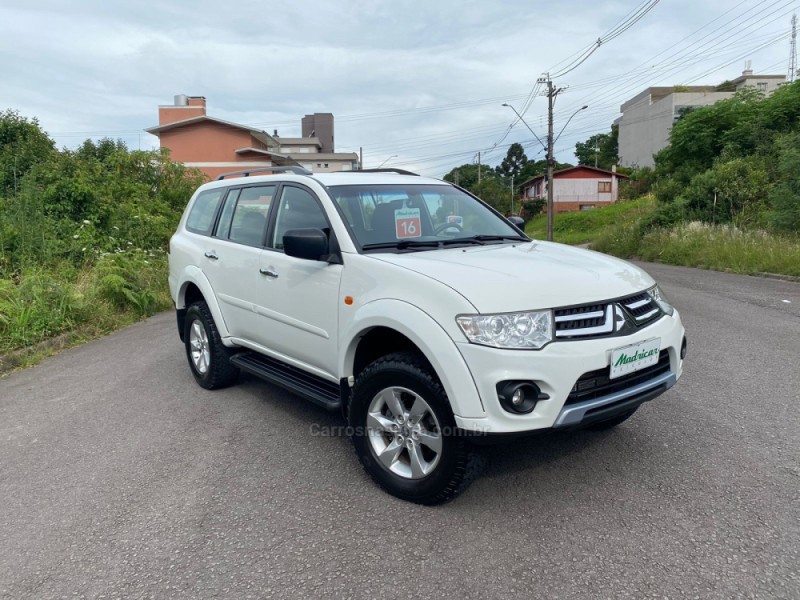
(298, 209)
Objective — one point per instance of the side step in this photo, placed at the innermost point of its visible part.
(320, 391)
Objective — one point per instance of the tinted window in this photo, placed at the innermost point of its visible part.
(298, 209)
(224, 224)
(249, 220)
(384, 214)
(201, 216)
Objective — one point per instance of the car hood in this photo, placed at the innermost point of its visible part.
(512, 277)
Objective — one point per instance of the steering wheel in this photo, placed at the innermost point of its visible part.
(439, 228)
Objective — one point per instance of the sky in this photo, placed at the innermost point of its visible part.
(416, 85)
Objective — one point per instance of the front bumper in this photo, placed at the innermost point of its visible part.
(555, 369)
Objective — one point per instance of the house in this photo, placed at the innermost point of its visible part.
(648, 117)
(216, 146)
(576, 188)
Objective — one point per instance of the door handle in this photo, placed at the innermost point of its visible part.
(212, 255)
(268, 272)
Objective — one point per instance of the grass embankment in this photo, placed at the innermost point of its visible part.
(83, 238)
(620, 230)
(46, 310)
(587, 226)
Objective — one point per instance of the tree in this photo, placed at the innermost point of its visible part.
(513, 163)
(492, 191)
(785, 197)
(602, 147)
(22, 145)
(466, 175)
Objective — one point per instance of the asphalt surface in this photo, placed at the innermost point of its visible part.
(119, 477)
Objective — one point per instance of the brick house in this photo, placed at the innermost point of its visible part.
(576, 188)
(215, 146)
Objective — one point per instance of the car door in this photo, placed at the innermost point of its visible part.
(301, 296)
(233, 257)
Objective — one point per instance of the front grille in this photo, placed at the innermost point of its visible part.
(580, 317)
(615, 317)
(642, 307)
(596, 384)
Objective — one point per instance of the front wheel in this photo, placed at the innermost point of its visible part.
(405, 434)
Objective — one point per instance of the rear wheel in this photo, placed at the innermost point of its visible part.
(208, 358)
(405, 433)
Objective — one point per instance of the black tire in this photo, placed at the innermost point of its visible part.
(219, 372)
(459, 462)
(612, 422)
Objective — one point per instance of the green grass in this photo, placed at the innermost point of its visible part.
(77, 304)
(586, 226)
(617, 229)
(722, 248)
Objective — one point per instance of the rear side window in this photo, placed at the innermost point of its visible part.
(249, 221)
(201, 216)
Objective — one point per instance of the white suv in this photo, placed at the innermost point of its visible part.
(417, 310)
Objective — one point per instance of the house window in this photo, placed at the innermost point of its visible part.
(604, 187)
(586, 207)
(326, 165)
(762, 87)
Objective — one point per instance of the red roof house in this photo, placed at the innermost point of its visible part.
(576, 188)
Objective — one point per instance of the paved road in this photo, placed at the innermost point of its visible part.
(119, 477)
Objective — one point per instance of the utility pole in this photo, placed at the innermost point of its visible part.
(793, 53)
(596, 150)
(479, 167)
(360, 158)
(550, 97)
(512, 194)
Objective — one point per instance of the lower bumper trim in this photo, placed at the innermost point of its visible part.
(607, 406)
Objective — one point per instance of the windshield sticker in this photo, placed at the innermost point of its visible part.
(407, 223)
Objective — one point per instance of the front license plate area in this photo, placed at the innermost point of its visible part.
(634, 357)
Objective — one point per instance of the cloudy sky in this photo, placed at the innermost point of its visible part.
(420, 80)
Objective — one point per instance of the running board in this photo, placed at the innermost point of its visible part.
(320, 391)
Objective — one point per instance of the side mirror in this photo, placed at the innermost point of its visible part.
(310, 244)
(518, 222)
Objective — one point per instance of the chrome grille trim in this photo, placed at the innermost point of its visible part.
(590, 315)
(608, 318)
(638, 304)
(648, 315)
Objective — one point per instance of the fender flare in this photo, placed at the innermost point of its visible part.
(432, 340)
(193, 274)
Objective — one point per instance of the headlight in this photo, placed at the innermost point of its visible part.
(655, 294)
(520, 331)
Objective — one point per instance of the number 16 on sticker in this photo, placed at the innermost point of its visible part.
(407, 223)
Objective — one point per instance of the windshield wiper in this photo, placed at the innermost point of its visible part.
(468, 240)
(401, 245)
(498, 238)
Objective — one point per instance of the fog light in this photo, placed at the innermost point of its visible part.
(519, 397)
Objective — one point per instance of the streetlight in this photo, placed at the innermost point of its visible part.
(387, 160)
(549, 148)
(585, 106)
(551, 161)
(519, 116)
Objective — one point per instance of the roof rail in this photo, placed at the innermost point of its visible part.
(386, 170)
(298, 170)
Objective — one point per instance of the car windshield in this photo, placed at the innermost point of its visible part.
(419, 217)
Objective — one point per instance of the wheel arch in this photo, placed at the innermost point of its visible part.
(195, 287)
(385, 326)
